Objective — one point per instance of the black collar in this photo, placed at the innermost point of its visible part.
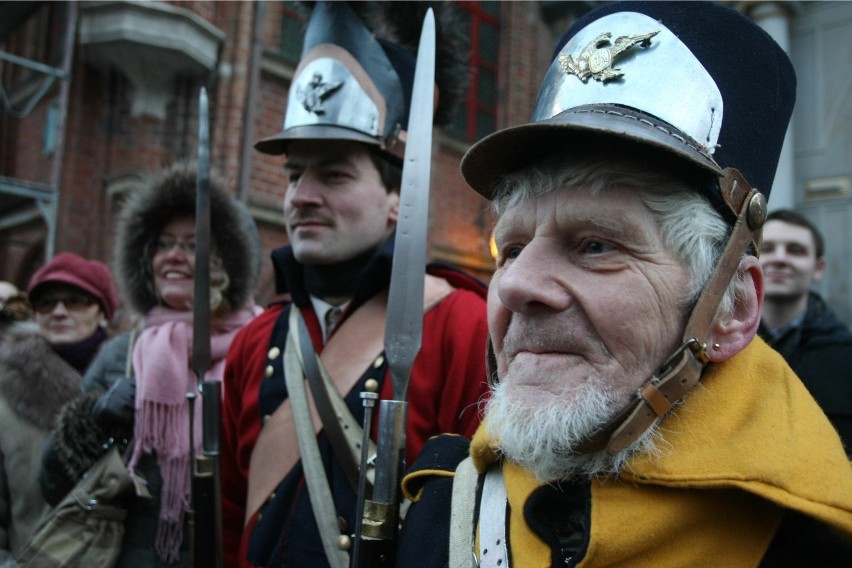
(361, 277)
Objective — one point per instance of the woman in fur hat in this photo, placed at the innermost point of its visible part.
(42, 353)
(154, 264)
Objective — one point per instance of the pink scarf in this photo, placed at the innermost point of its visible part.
(161, 363)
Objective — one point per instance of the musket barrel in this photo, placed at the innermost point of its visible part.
(206, 502)
(211, 411)
(380, 523)
(390, 459)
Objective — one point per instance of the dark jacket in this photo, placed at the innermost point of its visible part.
(820, 352)
(79, 442)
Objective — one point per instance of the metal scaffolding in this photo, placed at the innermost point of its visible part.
(15, 193)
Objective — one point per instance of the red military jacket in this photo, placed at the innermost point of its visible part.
(448, 380)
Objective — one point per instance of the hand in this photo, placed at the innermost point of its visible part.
(115, 408)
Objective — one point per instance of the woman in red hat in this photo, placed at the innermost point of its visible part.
(40, 366)
(74, 299)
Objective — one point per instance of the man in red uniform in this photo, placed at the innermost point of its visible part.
(343, 137)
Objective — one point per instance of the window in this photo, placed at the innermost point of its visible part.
(292, 32)
(477, 116)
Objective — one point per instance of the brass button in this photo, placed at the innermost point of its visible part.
(344, 542)
(269, 371)
(371, 385)
(379, 361)
(756, 213)
(274, 353)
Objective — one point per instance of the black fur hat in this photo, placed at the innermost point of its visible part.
(168, 195)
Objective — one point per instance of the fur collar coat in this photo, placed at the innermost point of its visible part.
(34, 385)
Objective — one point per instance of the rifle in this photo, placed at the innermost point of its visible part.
(376, 531)
(205, 510)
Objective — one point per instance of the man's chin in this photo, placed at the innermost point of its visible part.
(312, 255)
(783, 294)
(542, 433)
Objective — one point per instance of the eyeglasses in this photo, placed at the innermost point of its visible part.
(165, 244)
(72, 302)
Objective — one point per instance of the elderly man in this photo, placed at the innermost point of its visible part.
(635, 419)
(289, 486)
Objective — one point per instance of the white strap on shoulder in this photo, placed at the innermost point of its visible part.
(493, 552)
(462, 528)
(319, 491)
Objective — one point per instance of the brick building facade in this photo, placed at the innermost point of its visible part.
(128, 104)
(86, 115)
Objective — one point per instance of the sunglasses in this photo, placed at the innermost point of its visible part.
(72, 302)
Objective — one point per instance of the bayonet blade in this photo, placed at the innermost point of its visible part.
(404, 329)
(201, 296)
(207, 541)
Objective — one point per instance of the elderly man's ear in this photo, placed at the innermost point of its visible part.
(732, 332)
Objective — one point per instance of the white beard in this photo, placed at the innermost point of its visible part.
(541, 435)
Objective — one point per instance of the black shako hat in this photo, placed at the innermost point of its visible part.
(349, 85)
(695, 84)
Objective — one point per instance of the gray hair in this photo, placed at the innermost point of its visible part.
(691, 228)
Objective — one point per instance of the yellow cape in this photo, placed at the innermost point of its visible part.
(746, 444)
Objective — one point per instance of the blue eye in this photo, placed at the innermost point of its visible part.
(596, 247)
(508, 254)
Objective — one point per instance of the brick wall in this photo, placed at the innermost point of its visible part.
(104, 142)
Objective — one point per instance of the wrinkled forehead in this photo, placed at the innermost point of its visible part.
(613, 208)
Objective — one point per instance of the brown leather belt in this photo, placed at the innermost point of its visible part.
(332, 425)
(683, 369)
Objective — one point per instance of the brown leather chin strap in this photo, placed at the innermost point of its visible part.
(683, 369)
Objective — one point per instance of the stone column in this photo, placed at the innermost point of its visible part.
(774, 18)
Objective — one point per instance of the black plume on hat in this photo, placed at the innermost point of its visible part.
(401, 23)
(694, 81)
(356, 73)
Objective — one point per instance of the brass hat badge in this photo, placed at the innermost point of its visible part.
(596, 60)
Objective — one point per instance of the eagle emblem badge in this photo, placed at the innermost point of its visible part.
(316, 92)
(597, 58)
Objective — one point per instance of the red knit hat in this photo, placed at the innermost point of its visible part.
(91, 276)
